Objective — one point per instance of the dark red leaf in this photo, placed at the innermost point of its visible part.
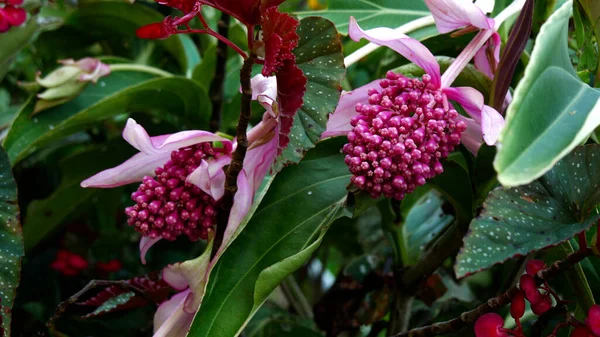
(291, 86)
(280, 38)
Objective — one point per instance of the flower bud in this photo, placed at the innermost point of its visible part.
(542, 306)
(593, 320)
(534, 266)
(517, 306)
(490, 325)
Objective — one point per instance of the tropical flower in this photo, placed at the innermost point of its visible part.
(399, 128)
(11, 15)
(466, 16)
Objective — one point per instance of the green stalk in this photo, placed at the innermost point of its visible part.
(140, 68)
(578, 281)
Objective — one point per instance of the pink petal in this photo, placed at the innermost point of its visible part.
(170, 319)
(408, 47)
(210, 177)
(339, 122)
(259, 160)
(492, 123)
(137, 136)
(172, 275)
(264, 89)
(470, 99)
(450, 15)
(471, 138)
(145, 244)
(132, 170)
(481, 60)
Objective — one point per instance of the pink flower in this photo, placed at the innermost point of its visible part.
(451, 15)
(399, 128)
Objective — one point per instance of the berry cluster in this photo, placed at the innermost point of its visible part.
(69, 264)
(492, 325)
(399, 137)
(11, 14)
(168, 205)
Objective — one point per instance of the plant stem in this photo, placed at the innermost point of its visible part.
(216, 87)
(237, 160)
(401, 310)
(139, 68)
(577, 279)
(469, 317)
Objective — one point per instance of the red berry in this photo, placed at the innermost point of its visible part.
(529, 287)
(534, 266)
(542, 306)
(77, 262)
(517, 306)
(593, 320)
(581, 332)
(490, 325)
(110, 266)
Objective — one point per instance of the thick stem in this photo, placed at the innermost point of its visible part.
(216, 87)
(400, 315)
(237, 159)
(469, 317)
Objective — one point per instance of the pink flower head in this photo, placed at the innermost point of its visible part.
(399, 128)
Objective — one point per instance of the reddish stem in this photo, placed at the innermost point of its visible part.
(598, 236)
(583, 241)
(218, 36)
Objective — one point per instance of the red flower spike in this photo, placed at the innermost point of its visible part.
(529, 287)
(593, 320)
(534, 266)
(280, 38)
(291, 86)
(15, 16)
(581, 332)
(517, 306)
(246, 11)
(542, 306)
(490, 325)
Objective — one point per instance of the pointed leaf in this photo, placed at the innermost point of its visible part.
(278, 239)
(516, 221)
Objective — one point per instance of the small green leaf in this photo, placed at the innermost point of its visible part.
(112, 303)
(11, 241)
(516, 221)
(277, 240)
(319, 56)
(13, 41)
(370, 13)
(124, 91)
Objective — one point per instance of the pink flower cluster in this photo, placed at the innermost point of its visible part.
(11, 14)
(400, 135)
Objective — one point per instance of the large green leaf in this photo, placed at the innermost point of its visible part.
(69, 198)
(278, 239)
(554, 208)
(107, 18)
(552, 110)
(13, 41)
(319, 55)
(179, 98)
(11, 241)
(370, 13)
(275, 322)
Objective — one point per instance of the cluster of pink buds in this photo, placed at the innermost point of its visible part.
(399, 137)
(68, 263)
(168, 205)
(11, 14)
(492, 325)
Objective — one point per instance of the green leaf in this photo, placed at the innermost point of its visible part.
(277, 240)
(550, 106)
(370, 13)
(516, 221)
(424, 222)
(319, 56)
(558, 113)
(273, 322)
(44, 216)
(112, 303)
(455, 185)
(107, 18)
(11, 241)
(13, 41)
(179, 98)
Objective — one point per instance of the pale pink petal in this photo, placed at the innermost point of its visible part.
(241, 206)
(172, 275)
(450, 15)
(481, 59)
(259, 160)
(170, 319)
(339, 122)
(486, 6)
(470, 99)
(145, 244)
(408, 47)
(137, 136)
(264, 89)
(471, 138)
(210, 177)
(492, 123)
(132, 170)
